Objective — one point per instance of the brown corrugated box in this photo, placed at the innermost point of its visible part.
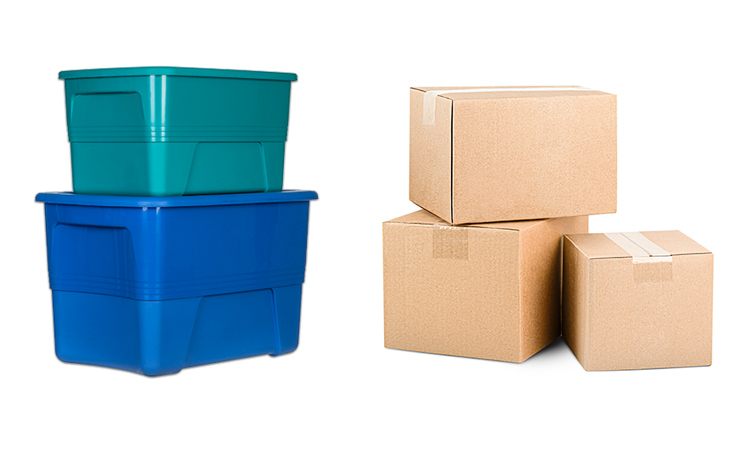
(489, 156)
(488, 291)
(647, 305)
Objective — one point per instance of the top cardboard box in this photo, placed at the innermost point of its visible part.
(490, 154)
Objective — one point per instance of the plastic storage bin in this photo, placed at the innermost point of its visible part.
(156, 131)
(153, 285)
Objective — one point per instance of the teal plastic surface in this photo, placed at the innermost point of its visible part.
(177, 71)
(168, 131)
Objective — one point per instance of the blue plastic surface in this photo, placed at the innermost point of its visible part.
(153, 285)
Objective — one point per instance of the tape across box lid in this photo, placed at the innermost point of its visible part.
(430, 97)
(651, 263)
(653, 253)
(640, 247)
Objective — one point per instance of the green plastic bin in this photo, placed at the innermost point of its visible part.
(162, 131)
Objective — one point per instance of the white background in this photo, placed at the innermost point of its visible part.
(683, 78)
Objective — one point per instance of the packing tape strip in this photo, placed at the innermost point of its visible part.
(430, 97)
(640, 247)
(450, 242)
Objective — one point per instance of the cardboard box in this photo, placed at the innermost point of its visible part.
(494, 154)
(487, 291)
(637, 300)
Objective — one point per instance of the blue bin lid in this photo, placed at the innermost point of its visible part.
(176, 71)
(69, 198)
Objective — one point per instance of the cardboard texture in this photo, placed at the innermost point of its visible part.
(494, 156)
(488, 291)
(624, 308)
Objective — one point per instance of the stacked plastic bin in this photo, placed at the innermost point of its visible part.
(178, 246)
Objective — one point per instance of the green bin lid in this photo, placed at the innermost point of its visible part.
(176, 71)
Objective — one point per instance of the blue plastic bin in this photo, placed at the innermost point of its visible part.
(156, 131)
(153, 285)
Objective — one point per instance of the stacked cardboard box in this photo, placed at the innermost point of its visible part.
(502, 174)
(637, 300)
